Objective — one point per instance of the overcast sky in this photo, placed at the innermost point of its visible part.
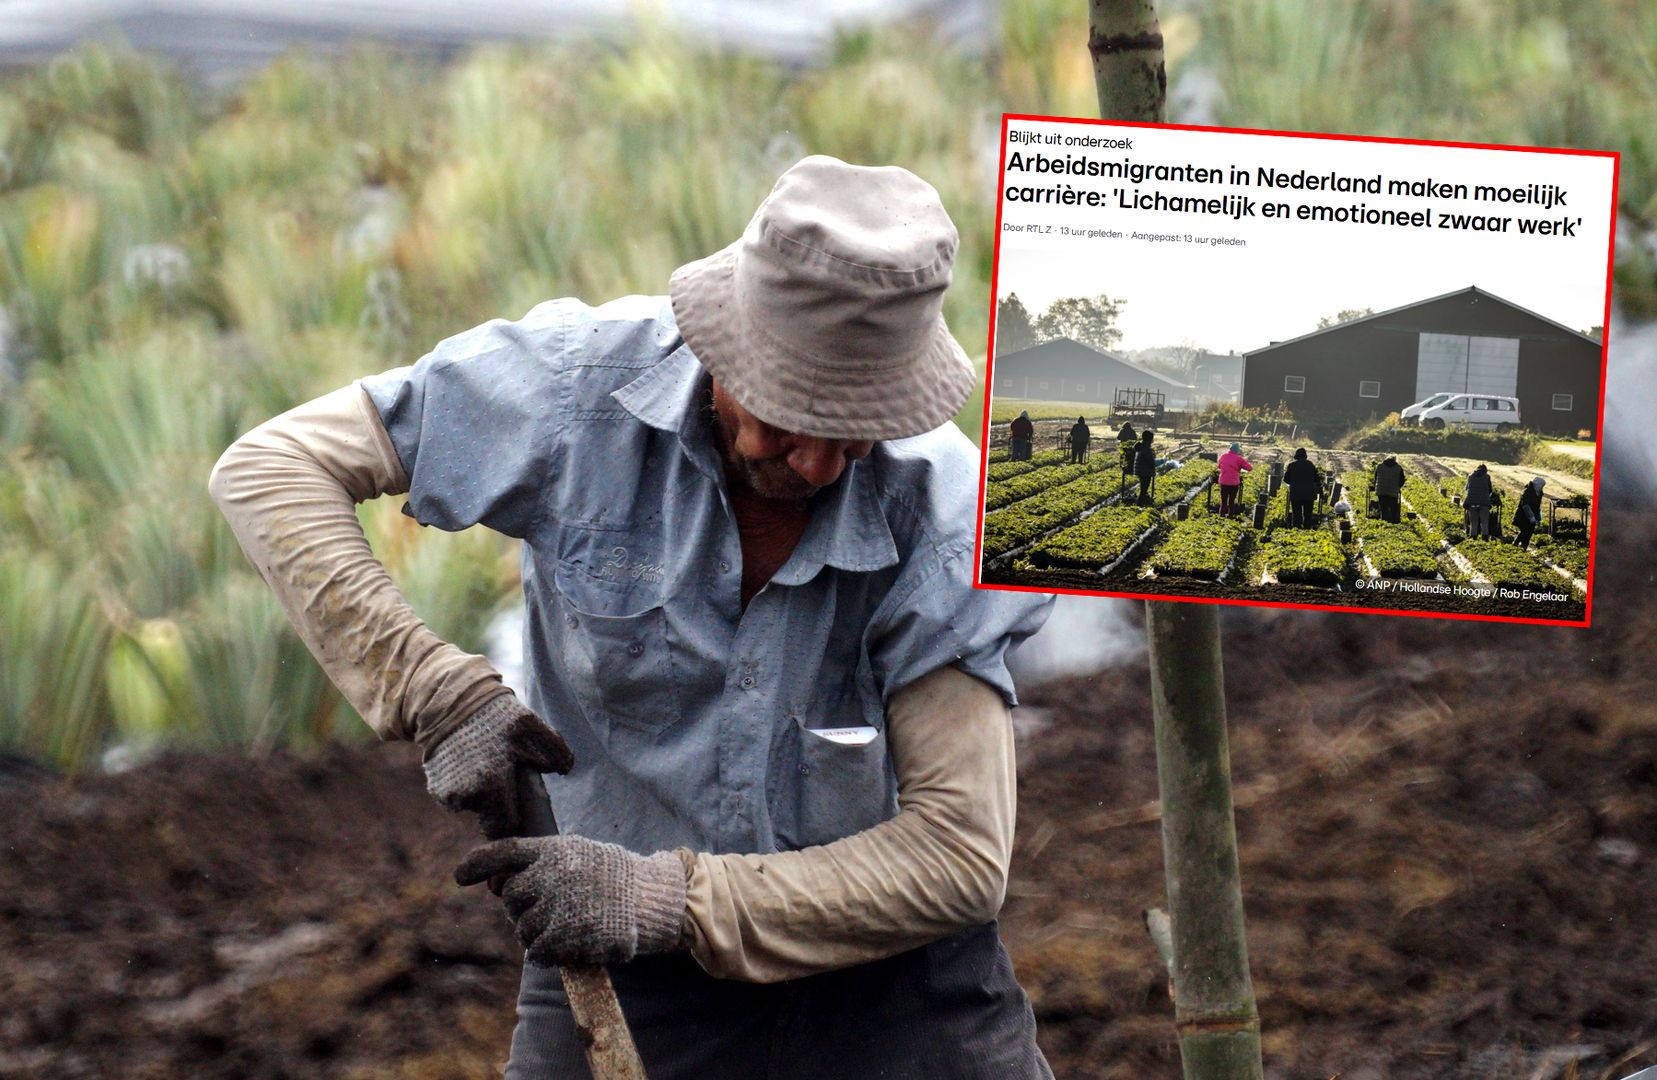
(1290, 273)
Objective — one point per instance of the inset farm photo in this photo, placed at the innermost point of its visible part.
(1258, 368)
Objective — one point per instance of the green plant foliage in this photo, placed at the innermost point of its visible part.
(1541, 456)
(1095, 541)
(1024, 521)
(1438, 513)
(998, 495)
(1355, 489)
(1172, 485)
(1004, 409)
(1504, 564)
(1305, 556)
(1199, 547)
(1396, 550)
(1005, 470)
(1571, 555)
(1495, 447)
(53, 645)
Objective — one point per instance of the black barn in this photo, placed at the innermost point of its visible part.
(1468, 341)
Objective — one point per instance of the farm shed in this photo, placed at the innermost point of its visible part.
(1468, 341)
(1066, 370)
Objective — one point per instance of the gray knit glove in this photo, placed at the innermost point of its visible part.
(474, 767)
(579, 901)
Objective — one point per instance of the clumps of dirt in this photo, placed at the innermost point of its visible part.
(1448, 837)
(211, 915)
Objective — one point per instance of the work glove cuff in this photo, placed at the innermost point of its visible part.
(474, 767)
(659, 911)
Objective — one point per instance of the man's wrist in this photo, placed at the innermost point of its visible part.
(502, 707)
(660, 913)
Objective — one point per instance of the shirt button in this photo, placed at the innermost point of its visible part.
(635, 648)
(805, 770)
(747, 682)
(570, 619)
(724, 567)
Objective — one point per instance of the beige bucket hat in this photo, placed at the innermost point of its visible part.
(826, 317)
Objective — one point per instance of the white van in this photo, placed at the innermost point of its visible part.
(1475, 411)
(1412, 413)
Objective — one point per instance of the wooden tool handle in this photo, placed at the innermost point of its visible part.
(599, 1022)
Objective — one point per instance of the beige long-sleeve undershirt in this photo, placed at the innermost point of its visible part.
(289, 489)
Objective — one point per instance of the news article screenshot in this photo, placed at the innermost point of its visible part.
(1296, 369)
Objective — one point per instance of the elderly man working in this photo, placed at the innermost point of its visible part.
(779, 708)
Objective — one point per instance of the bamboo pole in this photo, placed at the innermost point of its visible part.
(1126, 42)
(1219, 1029)
(1214, 1011)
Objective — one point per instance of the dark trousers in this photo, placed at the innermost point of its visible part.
(1389, 508)
(1525, 529)
(948, 1010)
(1020, 450)
(1300, 511)
(1145, 490)
(1228, 499)
(1078, 453)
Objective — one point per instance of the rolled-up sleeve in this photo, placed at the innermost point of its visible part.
(288, 489)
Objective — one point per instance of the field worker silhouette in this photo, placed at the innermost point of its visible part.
(1021, 434)
(1528, 514)
(1303, 481)
(774, 708)
(1079, 436)
(1475, 503)
(1144, 466)
(1232, 466)
(1389, 487)
(1126, 443)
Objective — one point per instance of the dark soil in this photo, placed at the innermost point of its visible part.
(1448, 834)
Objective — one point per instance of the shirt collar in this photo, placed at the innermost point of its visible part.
(669, 396)
(848, 528)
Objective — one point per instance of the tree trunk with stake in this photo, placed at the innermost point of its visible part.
(1214, 1011)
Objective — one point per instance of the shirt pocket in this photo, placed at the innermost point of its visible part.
(615, 654)
(843, 783)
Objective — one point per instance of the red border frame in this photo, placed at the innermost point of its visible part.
(989, 372)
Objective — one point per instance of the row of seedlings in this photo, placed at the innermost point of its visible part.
(1019, 488)
(1383, 549)
(1566, 555)
(1108, 537)
(1292, 556)
(1476, 560)
(1202, 546)
(1009, 530)
(1006, 470)
(1302, 557)
(1507, 566)
(1099, 542)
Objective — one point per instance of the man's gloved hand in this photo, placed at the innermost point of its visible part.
(579, 901)
(475, 766)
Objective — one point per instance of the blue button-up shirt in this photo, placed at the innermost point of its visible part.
(586, 433)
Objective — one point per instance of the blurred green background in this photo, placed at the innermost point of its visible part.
(178, 264)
